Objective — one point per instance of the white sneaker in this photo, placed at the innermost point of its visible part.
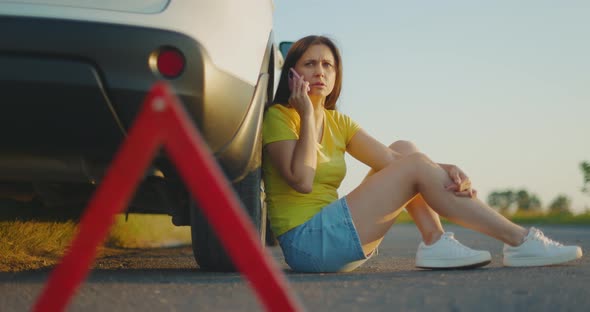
(448, 253)
(538, 250)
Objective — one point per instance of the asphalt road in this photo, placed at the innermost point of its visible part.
(168, 280)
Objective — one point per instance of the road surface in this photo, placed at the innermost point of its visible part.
(169, 280)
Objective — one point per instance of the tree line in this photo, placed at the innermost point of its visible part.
(585, 167)
(523, 201)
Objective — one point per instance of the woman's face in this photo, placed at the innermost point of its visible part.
(318, 67)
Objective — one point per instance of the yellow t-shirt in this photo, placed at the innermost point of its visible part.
(288, 208)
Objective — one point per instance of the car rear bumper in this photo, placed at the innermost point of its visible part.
(71, 89)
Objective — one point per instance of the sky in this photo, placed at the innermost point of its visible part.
(499, 88)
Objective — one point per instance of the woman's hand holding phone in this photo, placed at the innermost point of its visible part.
(299, 98)
(293, 78)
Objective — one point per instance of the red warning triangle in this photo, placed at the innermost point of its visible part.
(163, 122)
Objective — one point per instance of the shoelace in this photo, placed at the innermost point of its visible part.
(451, 237)
(546, 240)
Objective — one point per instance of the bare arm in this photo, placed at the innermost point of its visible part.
(377, 156)
(371, 152)
(296, 160)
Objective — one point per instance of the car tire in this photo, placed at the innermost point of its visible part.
(207, 249)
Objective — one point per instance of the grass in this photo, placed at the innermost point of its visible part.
(29, 245)
(26, 245)
(542, 218)
(145, 231)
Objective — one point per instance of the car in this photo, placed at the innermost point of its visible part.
(74, 74)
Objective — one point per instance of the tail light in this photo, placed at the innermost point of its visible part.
(168, 62)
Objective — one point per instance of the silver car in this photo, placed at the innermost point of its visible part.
(74, 73)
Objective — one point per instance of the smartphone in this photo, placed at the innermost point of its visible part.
(292, 76)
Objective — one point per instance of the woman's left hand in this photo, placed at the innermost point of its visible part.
(461, 185)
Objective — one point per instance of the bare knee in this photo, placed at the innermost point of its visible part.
(404, 147)
(414, 157)
(419, 162)
(413, 168)
(423, 171)
(419, 158)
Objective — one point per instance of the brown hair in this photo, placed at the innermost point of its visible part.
(295, 52)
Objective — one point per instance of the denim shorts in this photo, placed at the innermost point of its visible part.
(328, 242)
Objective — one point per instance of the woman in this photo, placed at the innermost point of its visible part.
(305, 139)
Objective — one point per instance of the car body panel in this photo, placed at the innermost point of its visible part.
(75, 74)
(80, 134)
(212, 23)
(132, 6)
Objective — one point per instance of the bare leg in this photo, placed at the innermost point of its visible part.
(377, 201)
(427, 220)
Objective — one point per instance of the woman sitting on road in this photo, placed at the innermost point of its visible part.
(305, 139)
